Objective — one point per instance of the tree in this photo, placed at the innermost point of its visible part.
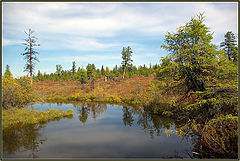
(7, 72)
(191, 52)
(127, 61)
(230, 46)
(74, 67)
(58, 70)
(102, 70)
(39, 76)
(89, 71)
(107, 71)
(30, 53)
(115, 71)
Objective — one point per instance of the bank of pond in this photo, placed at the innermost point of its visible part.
(99, 130)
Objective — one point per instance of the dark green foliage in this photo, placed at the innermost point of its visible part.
(74, 67)
(190, 50)
(127, 61)
(90, 70)
(58, 70)
(81, 74)
(230, 46)
(39, 76)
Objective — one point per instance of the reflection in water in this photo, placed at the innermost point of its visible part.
(153, 124)
(23, 139)
(127, 116)
(84, 109)
(29, 139)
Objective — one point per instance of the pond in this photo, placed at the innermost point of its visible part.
(97, 131)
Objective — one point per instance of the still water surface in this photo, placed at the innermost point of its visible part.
(97, 131)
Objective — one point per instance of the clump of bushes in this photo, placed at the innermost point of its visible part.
(16, 93)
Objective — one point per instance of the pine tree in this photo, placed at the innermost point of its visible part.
(127, 61)
(230, 46)
(102, 70)
(191, 51)
(7, 72)
(39, 76)
(89, 71)
(30, 53)
(74, 68)
(58, 70)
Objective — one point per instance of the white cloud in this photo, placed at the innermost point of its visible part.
(83, 58)
(6, 42)
(75, 43)
(109, 20)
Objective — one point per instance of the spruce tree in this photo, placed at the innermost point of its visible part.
(127, 61)
(7, 72)
(190, 53)
(230, 46)
(30, 53)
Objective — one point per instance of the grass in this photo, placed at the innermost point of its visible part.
(135, 93)
(21, 117)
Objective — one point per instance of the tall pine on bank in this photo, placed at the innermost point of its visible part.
(190, 53)
(30, 53)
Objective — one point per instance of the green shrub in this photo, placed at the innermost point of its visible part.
(16, 93)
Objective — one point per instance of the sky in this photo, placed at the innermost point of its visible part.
(97, 32)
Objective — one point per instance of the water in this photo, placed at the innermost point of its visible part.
(97, 131)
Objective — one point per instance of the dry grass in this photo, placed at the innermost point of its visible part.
(120, 89)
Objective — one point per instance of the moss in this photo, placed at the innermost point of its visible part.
(21, 116)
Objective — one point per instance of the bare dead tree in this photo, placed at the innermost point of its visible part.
(30, 53)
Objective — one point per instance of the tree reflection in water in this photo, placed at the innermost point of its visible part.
(84, 109)
(127, 116)
(152, 124)
(23, 139)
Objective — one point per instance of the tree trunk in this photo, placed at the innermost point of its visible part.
(31, 79)
(30, 50)
(124, 73)
(105, 78)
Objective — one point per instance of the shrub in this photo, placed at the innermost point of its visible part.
(16, 93)
(219, 137)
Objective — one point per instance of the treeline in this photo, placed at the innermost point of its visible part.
(91, 72)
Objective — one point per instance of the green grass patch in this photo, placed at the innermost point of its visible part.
(22, 117)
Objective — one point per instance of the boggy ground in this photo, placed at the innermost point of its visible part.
(134, 91)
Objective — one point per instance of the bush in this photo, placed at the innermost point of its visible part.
(219, 137)
(16, 93)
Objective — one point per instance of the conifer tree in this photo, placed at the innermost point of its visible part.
(74, 68)
(7, 72)
(230, 46)
(30, 53)
(127, 61)
(191, 51)
(102, 70)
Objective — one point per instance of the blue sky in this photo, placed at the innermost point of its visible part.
(97, 32)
